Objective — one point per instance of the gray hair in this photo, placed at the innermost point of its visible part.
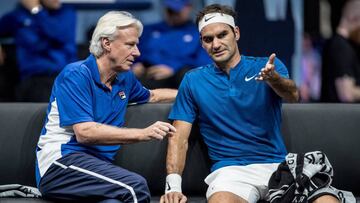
(107, 26)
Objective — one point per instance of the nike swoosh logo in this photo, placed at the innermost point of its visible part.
(250, 78)
(207, 19)
(168, 186)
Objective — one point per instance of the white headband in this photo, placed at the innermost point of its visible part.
(216, 18)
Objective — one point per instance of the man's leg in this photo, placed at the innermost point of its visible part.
(110, 201)
(326, 199)
(228, 197)
(239, 183)
(79, 176)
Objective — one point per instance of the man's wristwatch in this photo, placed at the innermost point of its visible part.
(36, 9)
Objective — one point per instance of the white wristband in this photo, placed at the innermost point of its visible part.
(173, 183)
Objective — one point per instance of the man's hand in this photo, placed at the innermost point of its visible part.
(160, 72)
(138, 69)
(30, 4)
(158, 130)
(2, 56)
(347, 89)
(283, 87)
(268, 73)
(173, 197)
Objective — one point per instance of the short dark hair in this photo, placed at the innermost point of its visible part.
(215, 8)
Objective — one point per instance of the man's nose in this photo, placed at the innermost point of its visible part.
(136, 51)
(216, 44)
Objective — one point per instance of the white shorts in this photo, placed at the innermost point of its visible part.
(249, 182)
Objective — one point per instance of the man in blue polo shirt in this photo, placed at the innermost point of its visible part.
(237, 102)
(82, 131)
(44, 35)
(170, 47)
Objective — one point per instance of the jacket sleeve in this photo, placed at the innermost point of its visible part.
(58, 26)
(8, 25)
(46, 31)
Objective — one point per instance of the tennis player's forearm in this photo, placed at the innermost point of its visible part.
(176, 155)
(286, 89)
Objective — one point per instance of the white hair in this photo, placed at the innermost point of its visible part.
(107, 26)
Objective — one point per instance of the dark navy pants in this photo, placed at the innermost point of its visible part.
(81, 177)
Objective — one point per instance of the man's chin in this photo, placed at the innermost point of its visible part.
(120, 69)
(125, 69)
(219, 59)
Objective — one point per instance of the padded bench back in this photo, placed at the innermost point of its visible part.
(20, 126)
(331, 128)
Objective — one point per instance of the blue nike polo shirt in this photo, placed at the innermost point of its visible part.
(239, 117)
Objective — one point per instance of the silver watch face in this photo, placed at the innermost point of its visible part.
(35, 10)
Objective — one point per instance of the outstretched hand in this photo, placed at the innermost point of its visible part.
(159, 72)
(268, 73)
(2, 56)
(173, 197)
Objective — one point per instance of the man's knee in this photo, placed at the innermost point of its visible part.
(223, 196)
(110, 201)
(140, 188)
(326, 199)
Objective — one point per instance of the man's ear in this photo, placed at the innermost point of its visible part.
(105, 42)
(237, 33)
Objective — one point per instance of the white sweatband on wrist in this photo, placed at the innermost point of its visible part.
(173, 183)
(216, 18)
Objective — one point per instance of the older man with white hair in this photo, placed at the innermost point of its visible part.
(86, 111)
